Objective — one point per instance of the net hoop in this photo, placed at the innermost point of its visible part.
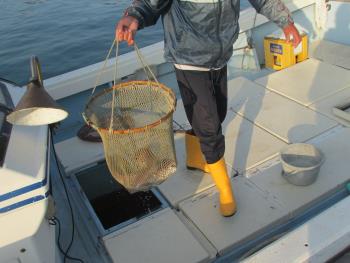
(169, 93)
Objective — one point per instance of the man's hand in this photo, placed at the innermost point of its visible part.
(291, 31)
(126, 29)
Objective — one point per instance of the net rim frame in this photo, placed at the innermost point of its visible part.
(138, 129)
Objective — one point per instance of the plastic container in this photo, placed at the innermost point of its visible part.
(280, 54)
(301, 163)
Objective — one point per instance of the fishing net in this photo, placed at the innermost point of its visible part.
(134, 120)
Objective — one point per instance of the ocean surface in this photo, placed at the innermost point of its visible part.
(64, 34)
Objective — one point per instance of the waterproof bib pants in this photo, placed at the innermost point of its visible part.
(204, 95)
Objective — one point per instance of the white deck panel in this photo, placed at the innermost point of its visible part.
(331, 52)
(247, 145)
(317, 240)
(159, 238)
(75, 153)
(333, 173)
(184, 183)
(254, 213)
(308, 81)
(280, 116)
(326, 105)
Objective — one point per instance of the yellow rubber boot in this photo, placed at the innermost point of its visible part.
(194, 156)
(227, 200)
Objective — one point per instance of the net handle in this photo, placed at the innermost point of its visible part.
(141, 59)
(99, 74)
(144, 64)
(114, 83)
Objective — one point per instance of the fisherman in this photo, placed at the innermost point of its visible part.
(198, 40)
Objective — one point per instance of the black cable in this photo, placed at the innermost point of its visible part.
(54, 219)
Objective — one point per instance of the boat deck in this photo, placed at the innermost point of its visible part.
(267, 111)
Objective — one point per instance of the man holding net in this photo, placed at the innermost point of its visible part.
(199, 37)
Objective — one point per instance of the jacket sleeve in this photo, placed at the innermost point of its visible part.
(275, 10)
(147, 12)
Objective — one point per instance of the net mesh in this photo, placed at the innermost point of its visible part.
(134, 120)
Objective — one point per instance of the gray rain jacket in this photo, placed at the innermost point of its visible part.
(201, 32)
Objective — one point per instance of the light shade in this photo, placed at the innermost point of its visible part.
(36, 107)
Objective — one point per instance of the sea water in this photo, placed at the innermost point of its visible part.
(64, 34)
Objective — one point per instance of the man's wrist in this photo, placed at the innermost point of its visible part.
(286, 21)
(132, 12)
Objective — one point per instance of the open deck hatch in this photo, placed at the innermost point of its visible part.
(110, 201)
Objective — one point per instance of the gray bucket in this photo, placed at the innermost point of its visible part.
(301, 163)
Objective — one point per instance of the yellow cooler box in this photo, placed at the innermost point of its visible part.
(280, 54)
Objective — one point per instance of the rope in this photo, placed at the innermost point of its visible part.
(103, 68)
(115, 83)
(39, 74)
(144, 64)
(116, 62)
